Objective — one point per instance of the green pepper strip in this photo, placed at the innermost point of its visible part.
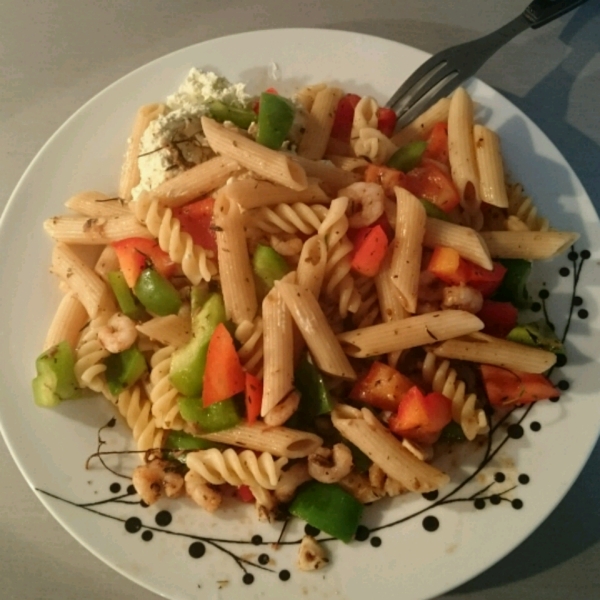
(329, 508)
(240, 117)
(315, 399)
(216, 417)
(55, 380)
(514, 285)
(124, 369)
(537, 334)
(407, 157)
(275, 119)
(179, 440)
(127, 302)
(157, 293)
(434, 211)
(268, 266)
(453, 432)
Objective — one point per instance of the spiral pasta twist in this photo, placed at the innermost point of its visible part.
(250, 335)
(89, 357)
(195, 261)
(444, 379)
(523, 214)
(245, 468)
(137, 411)
(338, 283)
(287, 218)
(368, 311)
(163, 396)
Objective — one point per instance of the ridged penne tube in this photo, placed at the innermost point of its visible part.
(94, 230)
(253, 193)
(245, 468)
(408, 333)
(422, 126)
(485, 349)
(269, 164)
(278, 441)
(348, 163)
(87, 285)
(130, 173)
(237, 277)
(107, 261)
(492, 182)
(468, 243)
(97, 204)
(407, 248)
(312, 323)
(319, 123)
(530, 245)
(278, 357)
(68, 320)
(310, 271)
(366, 432)
(331, 178)
(172, 330)
(195, 182)
(461, 150)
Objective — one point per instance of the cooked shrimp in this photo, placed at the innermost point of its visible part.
(462, 297)
(155, 478)
(118, 334)
(329, 466)
(367, 202)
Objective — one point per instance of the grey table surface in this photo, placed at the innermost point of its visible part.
(56, 54)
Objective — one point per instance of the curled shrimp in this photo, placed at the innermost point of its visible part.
(367, 203)
(157, 477)
(462, 297)
(118, 334)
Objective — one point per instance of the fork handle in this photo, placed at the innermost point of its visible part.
(540, 12)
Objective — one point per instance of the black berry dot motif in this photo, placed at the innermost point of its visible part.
(471, 490)
(163, 518)
(431, 523)
(197, 550)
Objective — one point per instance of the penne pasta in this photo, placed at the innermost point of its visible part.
(97, 204)
(94, 230)
(67, 323)
(311, 265)
(529, 245)
(468, 243)
(408, 333)
(306, 96)
(405, 264)
(237, 277)
(485, 349)
(366, 432)
(170, 330)
(319, 123)
(331, 178)
(348, 163)
(269, 164)
(312, 323)
(492, 181)
(107, 261)
(422, 126)
(253, 193)
(279, 441)
(461, 150)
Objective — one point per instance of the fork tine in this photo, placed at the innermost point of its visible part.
(425, 69)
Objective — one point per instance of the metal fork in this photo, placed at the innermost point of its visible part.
(446, 70)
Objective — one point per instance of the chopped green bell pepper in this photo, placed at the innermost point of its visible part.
(329, 508)
(157, 293)
(179, 440)
(268, 266)
(514, 284)
(216, 417)
(128, 304)
(538, 334)
(124, 369)
(434, 211)
(240, 117)
(275, 119)
(407, 157)
(452, 433)
(315, 399)
(55, 380)
(189, 362)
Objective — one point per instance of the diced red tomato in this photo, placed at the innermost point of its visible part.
(224, 376)
(421, 417)
(254, 393)
(244, 493)
(431, 181)
(386, 121)
(447, 264)
(134, 253)
(387, 177)
(505, 387)
(487, 282)
(369, 251)
(382, 386)
(196, 219)
(437, 143)
(344, 115)
(499, 318)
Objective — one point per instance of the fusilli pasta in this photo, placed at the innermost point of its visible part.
(163, 395)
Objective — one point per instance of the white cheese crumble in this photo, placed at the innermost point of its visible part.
(174, 141)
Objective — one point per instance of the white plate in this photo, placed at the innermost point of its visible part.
(50, 446)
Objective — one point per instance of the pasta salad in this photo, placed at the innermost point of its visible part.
(290, 301)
